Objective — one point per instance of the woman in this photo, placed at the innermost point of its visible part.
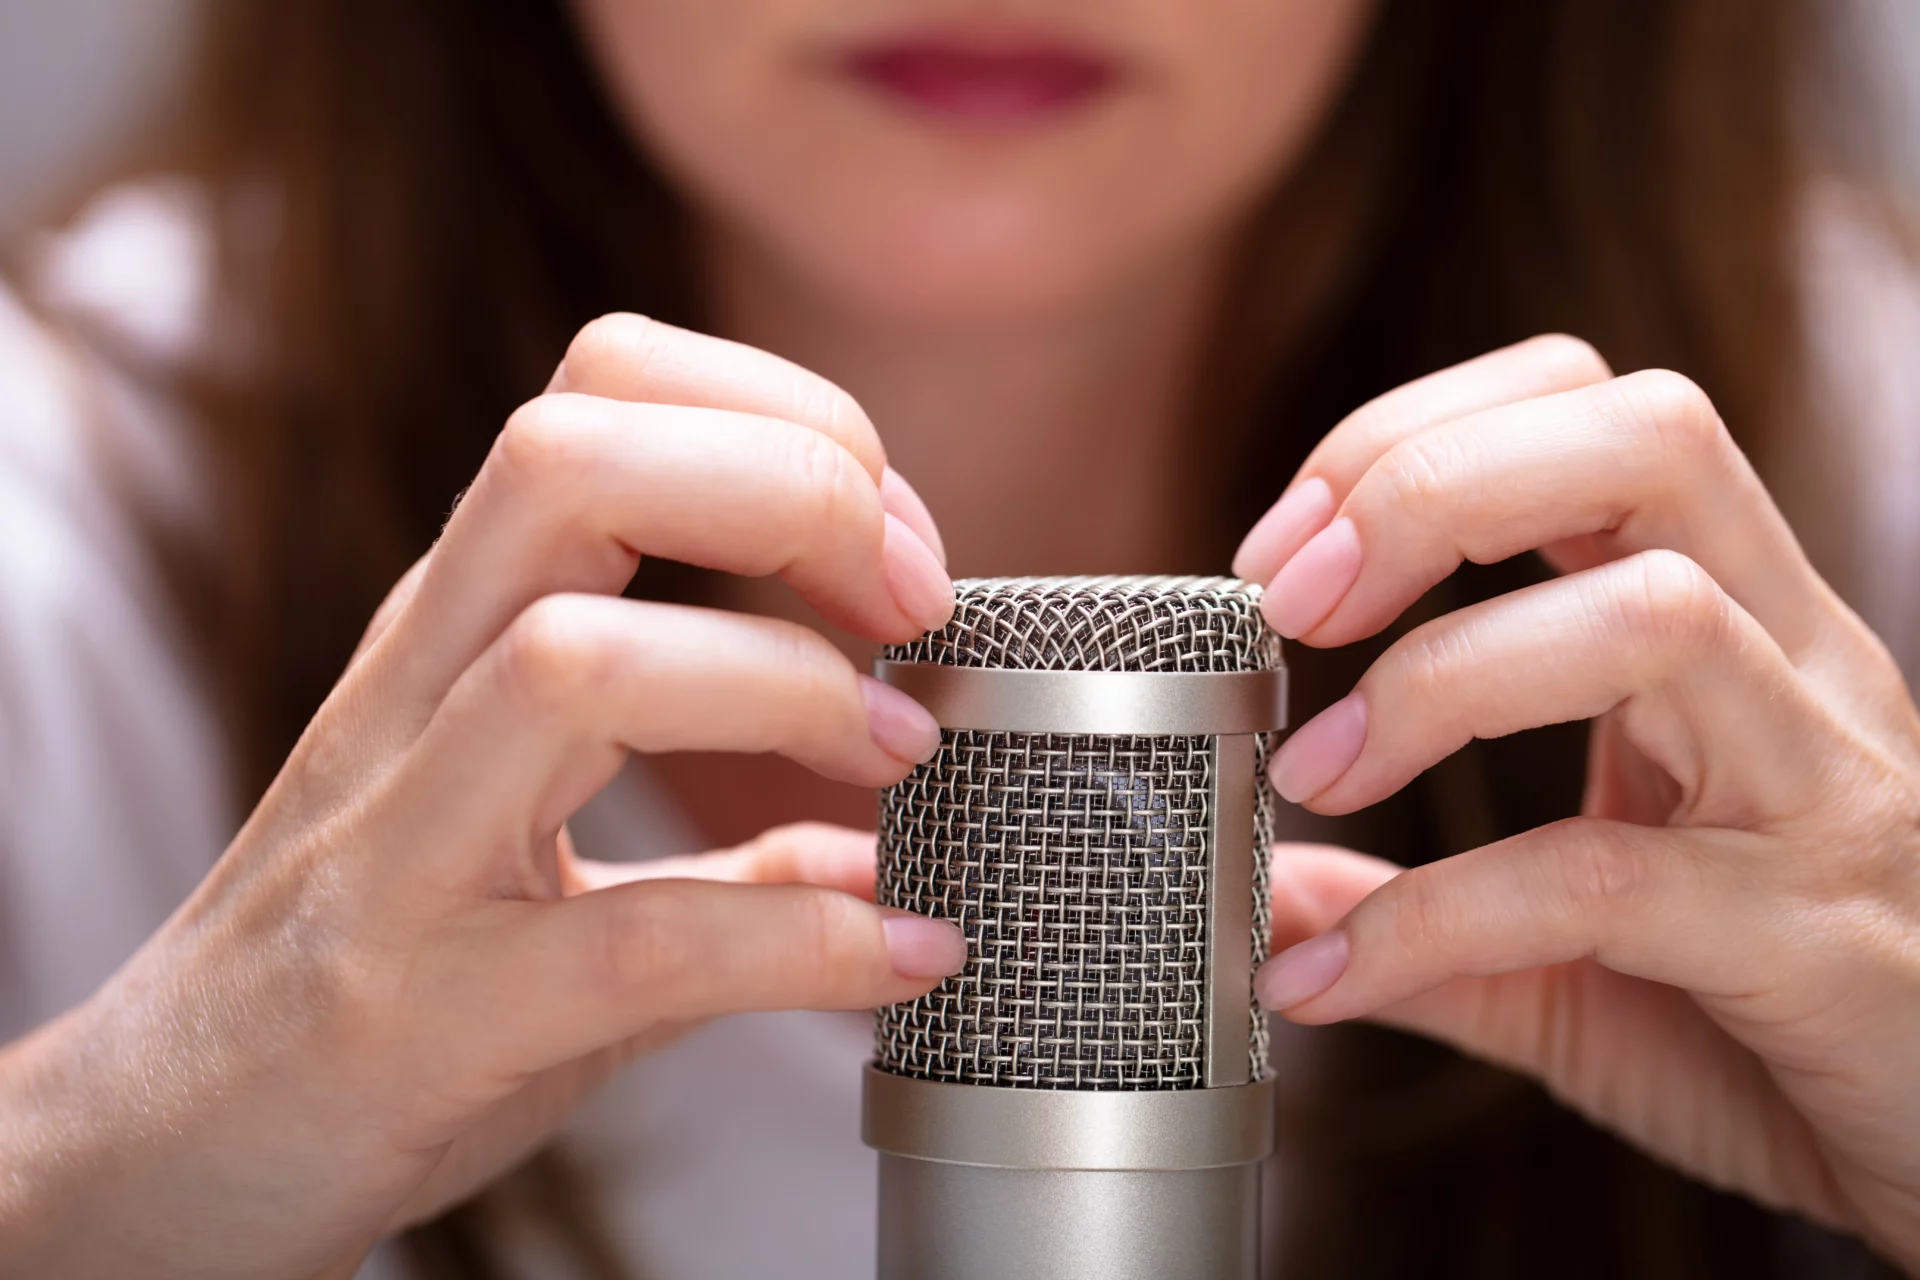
(1102, 280)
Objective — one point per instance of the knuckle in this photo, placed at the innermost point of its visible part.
(1670, 604)
(1600, 868)
(820, 680)
(839, 413)
(642, 943)
(1417, 476)
(823, 483)
(540, 442)
(554, 656)
(610, 343)
(1383, 418)
(1674, 409)
(1575, 359)
(824, 929)
(1429, 663)
(1421, 912)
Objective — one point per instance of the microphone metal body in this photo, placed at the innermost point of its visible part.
(1090, 1097)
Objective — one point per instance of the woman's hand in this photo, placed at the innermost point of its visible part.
(1721, 958)
(398, 978)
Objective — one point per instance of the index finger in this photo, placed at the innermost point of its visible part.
(1527, 370)
(629, 357)
(646, 361)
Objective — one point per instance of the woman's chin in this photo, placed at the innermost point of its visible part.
(953, 280)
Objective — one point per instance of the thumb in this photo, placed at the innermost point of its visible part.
(599, 968)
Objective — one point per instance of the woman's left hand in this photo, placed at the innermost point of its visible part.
(1720, 959)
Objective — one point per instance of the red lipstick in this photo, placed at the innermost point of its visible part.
(999, 84)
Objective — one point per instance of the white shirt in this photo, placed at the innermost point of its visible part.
(733, 1153)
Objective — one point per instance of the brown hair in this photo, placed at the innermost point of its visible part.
(418, 201)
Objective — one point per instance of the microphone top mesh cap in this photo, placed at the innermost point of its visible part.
(1145, 624)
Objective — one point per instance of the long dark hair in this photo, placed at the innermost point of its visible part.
(418, 201)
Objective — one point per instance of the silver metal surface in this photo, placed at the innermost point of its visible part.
(1265, 803)
(1089, 1098)
(1156, 1129)
(1076, 866)
(1135, 702)
(962, 1222)
(1080, 867)
(1230, 912)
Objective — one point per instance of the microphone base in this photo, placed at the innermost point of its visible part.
(942, 1221)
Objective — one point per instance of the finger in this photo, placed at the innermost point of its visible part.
(1627, 1053)
(1638, 463)
(1703, 692)
(1629, 897)
(577, 488)
(629, 357)
(902, 500)
(799, 853)
(546, 717)
(1537, 367)
(602, 967)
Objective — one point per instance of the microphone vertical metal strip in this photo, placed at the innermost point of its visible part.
(1230, 911)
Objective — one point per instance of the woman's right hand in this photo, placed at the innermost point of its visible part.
(398, 979)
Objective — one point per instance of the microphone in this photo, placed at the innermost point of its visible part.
(1090, 1097)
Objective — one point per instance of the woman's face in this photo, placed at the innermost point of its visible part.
(950, 160)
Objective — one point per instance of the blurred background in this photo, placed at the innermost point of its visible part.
(77, 75)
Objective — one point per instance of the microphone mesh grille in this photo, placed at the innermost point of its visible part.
(1076, 864)
(1102, 624)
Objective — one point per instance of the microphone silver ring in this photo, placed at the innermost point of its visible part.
(1003, 700)
(1108, 1129)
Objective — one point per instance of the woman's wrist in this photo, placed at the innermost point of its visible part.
(55, 1146)
(116, 1163)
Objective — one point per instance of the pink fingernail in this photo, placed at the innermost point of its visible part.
(1301, 512)
(919, 585)
(901, 499)
(1321, 750)
(1300, 973)
(898, 725)
(923, 948)
(1308, 587)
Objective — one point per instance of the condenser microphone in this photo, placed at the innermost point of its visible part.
(1089, 1099)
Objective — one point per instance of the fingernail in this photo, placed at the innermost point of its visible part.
(898, 725)
(923, 948)
(1308, 587)
(1301, 512)
(1300, 973)
(919, 584)
(1321, 750)
(901, 499)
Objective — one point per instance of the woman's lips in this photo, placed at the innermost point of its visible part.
(977, 84)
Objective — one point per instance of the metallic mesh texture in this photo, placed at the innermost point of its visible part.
(1265, 804)
(1102, 624)
(1075, 864)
